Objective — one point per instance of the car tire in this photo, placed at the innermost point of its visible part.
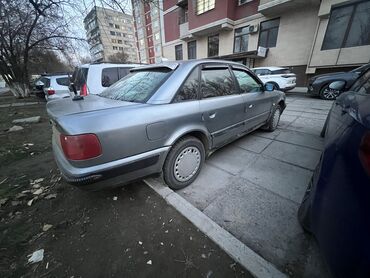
(304, 212)
(276, 86)
(327, 94)
(184, 162)
(274, 119)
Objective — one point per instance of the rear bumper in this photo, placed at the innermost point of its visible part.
(111, 174)
(289, 87)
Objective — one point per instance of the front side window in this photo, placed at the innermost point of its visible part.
(348, 26)
(178, 52)
(213, 44)
(192, 50)
(204, 6)
(241, 39)
(137, 86)
(268, 33)
(216, 82)
(109, 76)
(246, 82)
(189, 90)
(362, 84)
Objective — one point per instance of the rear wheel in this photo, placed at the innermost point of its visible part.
(329, 94)
(184, 162)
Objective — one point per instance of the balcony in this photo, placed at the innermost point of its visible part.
(271, 7)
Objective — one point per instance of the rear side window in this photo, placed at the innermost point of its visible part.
(217, 82)
(137, 86)
(189, 90)
(246, 82)
(64, 81)
(109, 76)
(281, 71)
(79, 77)
(46, 82)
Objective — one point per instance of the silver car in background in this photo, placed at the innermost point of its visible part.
(165, 118)
(54, 86)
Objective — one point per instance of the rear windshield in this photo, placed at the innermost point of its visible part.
(79, 77)
(137, 86)
(281, 71)
(64, 81)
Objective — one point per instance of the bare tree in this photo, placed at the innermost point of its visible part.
(24, 27)
(119, 57)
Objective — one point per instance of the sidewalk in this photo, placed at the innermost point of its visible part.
(298, 90)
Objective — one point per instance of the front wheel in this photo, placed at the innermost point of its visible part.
(184, 162)
(329, 94)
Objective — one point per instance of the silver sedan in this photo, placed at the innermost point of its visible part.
(164, 118)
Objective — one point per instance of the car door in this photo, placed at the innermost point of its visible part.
(257, 103)
(221, 105)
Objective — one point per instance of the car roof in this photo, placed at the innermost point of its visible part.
(110, 65)
(194, 62)
(269, 68)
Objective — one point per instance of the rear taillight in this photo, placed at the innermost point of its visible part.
(80, 147)
(50, 92)
(365, 152)
(83, 91)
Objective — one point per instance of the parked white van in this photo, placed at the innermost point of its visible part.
(95, 78)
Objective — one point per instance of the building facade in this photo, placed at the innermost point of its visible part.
(256, 33)
(148, 30)
(110, 32)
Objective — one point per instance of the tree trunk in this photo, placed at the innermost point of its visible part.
(19, 90)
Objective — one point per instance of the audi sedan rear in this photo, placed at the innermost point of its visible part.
(164, 118)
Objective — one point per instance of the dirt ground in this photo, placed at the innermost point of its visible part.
(128, 232)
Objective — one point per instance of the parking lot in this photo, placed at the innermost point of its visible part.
(252, 187)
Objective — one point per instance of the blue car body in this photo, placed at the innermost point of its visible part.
(336, 207)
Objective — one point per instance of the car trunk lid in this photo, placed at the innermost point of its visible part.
(90, 103)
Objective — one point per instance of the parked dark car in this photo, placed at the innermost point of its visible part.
(319, 84)
(336, 206)
(167, 117)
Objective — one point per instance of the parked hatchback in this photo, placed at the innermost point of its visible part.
(94, 78)
(336, 206)
(281, 78)
(53, 86)
(160, 118)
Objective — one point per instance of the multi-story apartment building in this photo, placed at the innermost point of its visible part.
(290, 33)
(148, 26)
(109, 32)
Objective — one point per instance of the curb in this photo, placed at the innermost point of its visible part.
(241, 253)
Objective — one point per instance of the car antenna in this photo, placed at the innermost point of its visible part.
(72, 85)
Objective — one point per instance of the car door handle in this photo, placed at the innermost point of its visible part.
(250, 106)
(212, 115)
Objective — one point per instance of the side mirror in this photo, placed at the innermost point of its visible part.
(269, 87)
(337, 85)
(40, 83)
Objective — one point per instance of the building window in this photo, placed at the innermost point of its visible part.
(116, 26)
(112, 33)
(241, 39)
(120, 48)
(110, 24)
(118, 34)
(114, 41)
(213, 43)
(115, 48)
(178, 52)
(204, 6)
(348, 26)
(119, 41)
(269, 32)
(192, 50)
(156, 36)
